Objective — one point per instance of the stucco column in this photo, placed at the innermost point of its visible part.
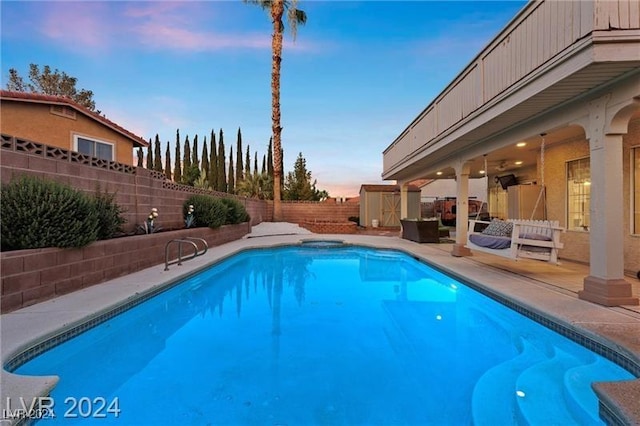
(605, 284)
(404, 200)
(462, 210)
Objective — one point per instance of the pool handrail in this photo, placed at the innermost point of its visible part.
(180, 241)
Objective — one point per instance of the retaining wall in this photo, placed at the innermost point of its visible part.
(31, 276)
(330, 227)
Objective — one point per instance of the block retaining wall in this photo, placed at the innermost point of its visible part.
(31, 276)
(330, 227)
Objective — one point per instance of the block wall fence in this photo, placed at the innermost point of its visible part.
(136, 189)
(31, 276)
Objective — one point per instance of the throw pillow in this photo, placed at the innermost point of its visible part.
(499, 228)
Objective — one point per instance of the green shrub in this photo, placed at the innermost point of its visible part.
(109, 213)
(236, 212)
(207, 210)
(36, 213)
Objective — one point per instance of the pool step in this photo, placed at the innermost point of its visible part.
(494, 400)
(542, 391)
(578, 382)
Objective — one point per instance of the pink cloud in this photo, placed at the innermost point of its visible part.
(181, 26)
(83, 24)
(166, 36)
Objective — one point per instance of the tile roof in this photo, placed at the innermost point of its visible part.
(61, 100)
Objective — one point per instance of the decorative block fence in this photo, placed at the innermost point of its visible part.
(31, 276)
(136, 189)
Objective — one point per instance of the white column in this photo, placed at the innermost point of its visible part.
(605, 284)
(462, 210)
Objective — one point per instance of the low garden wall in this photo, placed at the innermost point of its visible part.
(326, 227)
(31, 276)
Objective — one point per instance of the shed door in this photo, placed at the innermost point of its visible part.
(390, 209)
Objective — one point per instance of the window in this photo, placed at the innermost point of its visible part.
(635, 172)
(94, 148)
(578, 194)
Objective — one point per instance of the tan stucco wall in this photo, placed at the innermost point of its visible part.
(576, 243)
(35, 122)
(631, 242)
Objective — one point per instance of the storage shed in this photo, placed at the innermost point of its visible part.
(380, 204)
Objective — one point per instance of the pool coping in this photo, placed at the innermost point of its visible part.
(595, 323)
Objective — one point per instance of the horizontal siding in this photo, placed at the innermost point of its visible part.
(542, 32)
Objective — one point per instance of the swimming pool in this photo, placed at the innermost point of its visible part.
(323, 335)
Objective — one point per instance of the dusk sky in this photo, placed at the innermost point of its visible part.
(354, 78)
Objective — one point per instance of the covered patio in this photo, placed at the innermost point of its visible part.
(555, 95)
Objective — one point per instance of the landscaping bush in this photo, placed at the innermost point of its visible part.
(109, 213)
(236, 212)
(207, 210)
(36, 213)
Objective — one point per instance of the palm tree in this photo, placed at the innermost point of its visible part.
(295, 16)
(256, 186)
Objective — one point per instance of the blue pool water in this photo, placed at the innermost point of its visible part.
(324, 336)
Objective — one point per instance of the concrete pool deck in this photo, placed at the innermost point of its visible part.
(546, 290)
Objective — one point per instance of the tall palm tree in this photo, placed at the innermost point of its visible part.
(295, 17)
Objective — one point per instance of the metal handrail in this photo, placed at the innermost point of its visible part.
(202, 240)
(180, 241)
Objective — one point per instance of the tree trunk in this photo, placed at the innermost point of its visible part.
(277, 10)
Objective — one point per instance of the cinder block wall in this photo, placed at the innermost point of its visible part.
(31, 276)
(137, 189)
(310, 211)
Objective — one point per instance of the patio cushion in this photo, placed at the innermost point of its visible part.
(490, 241)
(538, 237)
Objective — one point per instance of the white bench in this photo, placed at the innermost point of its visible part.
(533, 239)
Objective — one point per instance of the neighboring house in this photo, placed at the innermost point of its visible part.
(61, 122)
(561, 79)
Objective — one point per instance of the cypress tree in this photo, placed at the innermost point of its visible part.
(264, 163)
(232, 184)
(255, 163)
(205, 160)
(157, 156)
(167, 162)
(177, 169)
(270, 158)
(239, 167)
(149, 156)
(140, 156)
(186, 162)
(247, 164)
(213, 163)
(222, 168)
(196, 160)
